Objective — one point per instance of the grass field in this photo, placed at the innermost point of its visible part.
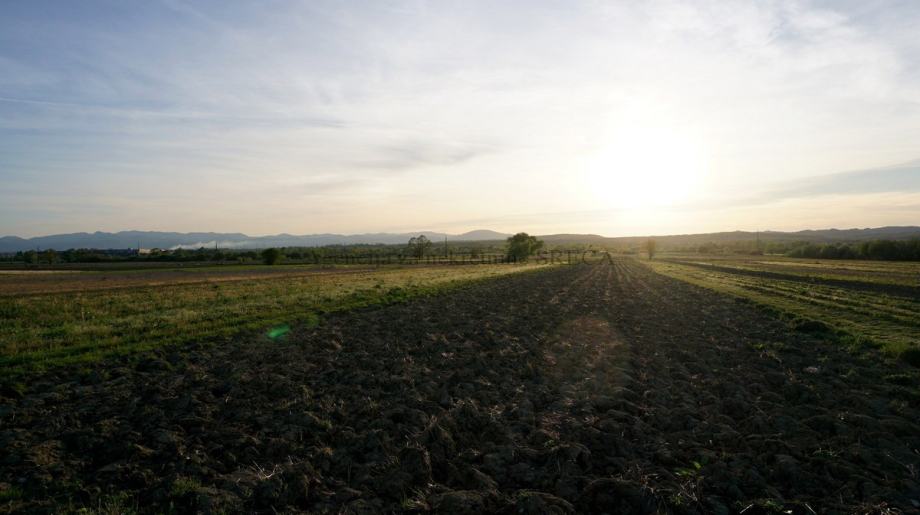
(49, 319)
(59, 280)
(863, 301)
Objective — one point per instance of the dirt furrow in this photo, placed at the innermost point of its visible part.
(590, 388)
(740, 410)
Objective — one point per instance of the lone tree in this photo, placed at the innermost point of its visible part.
(522, 245)
(419, 246)
(651, 246)
(271, 256)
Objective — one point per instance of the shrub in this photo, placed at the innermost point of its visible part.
(651, 247)
(271, 256)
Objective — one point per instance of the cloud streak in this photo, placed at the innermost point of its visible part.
(902, 178)
(336, 117)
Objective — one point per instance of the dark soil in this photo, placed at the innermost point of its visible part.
(592, 388)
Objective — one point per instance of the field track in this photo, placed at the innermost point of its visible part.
(590, 388)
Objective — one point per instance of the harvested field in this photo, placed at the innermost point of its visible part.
(590, 388)
(828, 271)
(26, 282)
(112, 315)
(866, 308)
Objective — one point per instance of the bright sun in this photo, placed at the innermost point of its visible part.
(645, 167)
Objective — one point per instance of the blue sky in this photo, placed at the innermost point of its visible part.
(609, 117)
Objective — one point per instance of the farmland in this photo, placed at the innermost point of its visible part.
(870, 302)
(602, 387)
(51, 318)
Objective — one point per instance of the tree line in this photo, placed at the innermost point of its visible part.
(517, 248)
(888, 250)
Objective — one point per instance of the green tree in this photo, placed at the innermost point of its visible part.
(651, 247)
(49, 256)
(271, 256)
(419, 246)
(522, 245)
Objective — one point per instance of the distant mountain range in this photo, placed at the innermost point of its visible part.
(168, 240)
(813, 236)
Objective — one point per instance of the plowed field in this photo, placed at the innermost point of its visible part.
(602, 388)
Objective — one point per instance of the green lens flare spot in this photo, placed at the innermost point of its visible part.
(278, 331)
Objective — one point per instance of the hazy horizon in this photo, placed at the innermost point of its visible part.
(458, 233)
(622, 119)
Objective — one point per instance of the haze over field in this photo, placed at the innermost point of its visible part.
(552, 117)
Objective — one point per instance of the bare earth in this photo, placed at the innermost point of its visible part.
(597, 388)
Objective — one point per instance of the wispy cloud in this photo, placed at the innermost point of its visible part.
(332, 116)
(901, 178)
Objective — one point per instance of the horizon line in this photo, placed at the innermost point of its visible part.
(395, 233)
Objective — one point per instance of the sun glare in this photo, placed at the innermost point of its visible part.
(645, 167)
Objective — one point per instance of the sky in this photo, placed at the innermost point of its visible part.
(609, 117)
